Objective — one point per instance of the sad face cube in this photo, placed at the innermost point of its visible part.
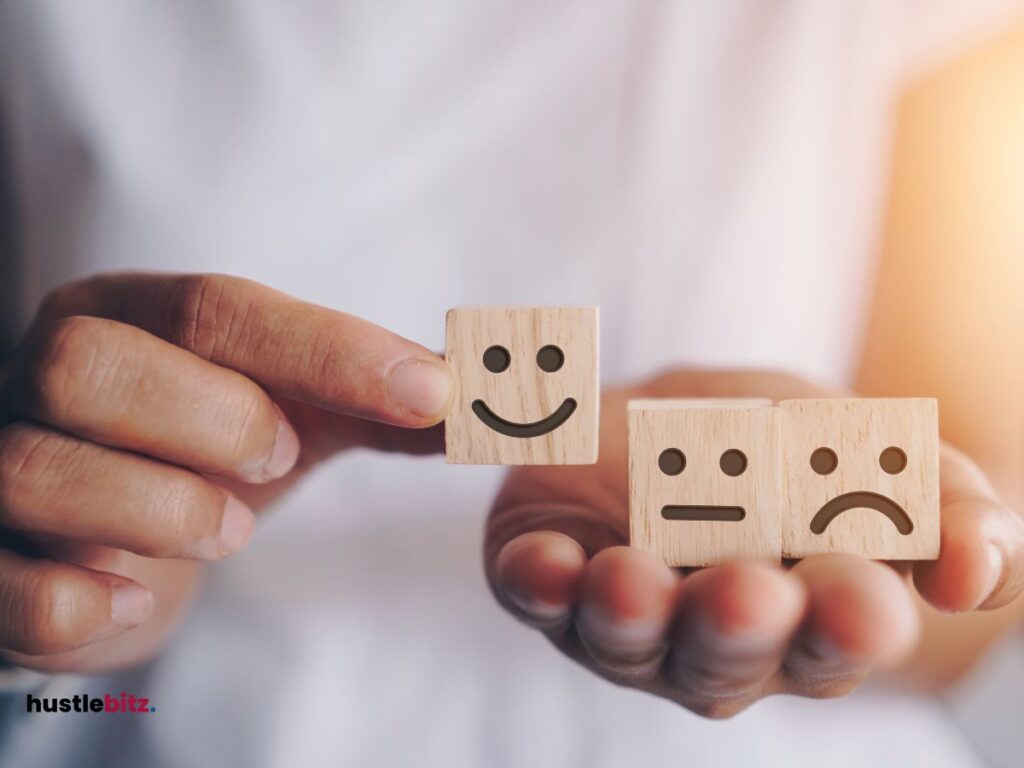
(860, 476)
(704, 480)
(526, 385)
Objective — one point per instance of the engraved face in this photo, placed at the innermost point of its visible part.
(498, 360)
(733, 462)
(704, 480)
(527, 385)
(860, 475)
(893, 460)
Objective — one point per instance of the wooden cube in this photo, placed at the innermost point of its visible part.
(704, 480)
(526, 385)
(860, 476)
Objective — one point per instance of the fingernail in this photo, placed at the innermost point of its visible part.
(625, 637)
(736, 643)
(823, 649)
(995, 573)
(536, 609)
(130, 604)
(236, 526)
(285, 452)
(421, 387)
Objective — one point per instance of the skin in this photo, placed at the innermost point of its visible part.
(139, 436)
(718, 639)
(117, 474)
(954, 215)
(138, 412)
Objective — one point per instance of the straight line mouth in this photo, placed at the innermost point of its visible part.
(709, 513)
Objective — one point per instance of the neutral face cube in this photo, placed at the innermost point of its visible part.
(704, 480)
(526, 385)
(860, 476)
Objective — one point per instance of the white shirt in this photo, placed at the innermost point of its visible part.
(710, 174)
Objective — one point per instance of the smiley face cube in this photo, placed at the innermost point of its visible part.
(704, 480)
(526, 385)
(861, 476)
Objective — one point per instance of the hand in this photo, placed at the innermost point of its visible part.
(716, 640)
(142, 420)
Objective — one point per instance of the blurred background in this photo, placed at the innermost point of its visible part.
(829, 187)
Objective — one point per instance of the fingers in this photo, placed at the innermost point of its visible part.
(117, 385)
(537, 577)
(301, 351)
(620, 603)
(719, 639)
(539, 537)
(723, 637)
(48, 608)
(54, 485)
(625, 609)
(860, 615)
(735, 624)
(172, 584)
(713, 642)
(981, 560)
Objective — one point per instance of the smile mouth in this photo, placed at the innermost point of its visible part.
(695, 512)
(533, 429)
(855, 499)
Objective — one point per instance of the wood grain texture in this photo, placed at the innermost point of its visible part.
(703, 430)
(524, 392)
(858, 431)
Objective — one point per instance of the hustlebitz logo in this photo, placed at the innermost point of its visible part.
(125, 704)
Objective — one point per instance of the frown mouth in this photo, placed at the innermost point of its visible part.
(532, 429)
(855, 499)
